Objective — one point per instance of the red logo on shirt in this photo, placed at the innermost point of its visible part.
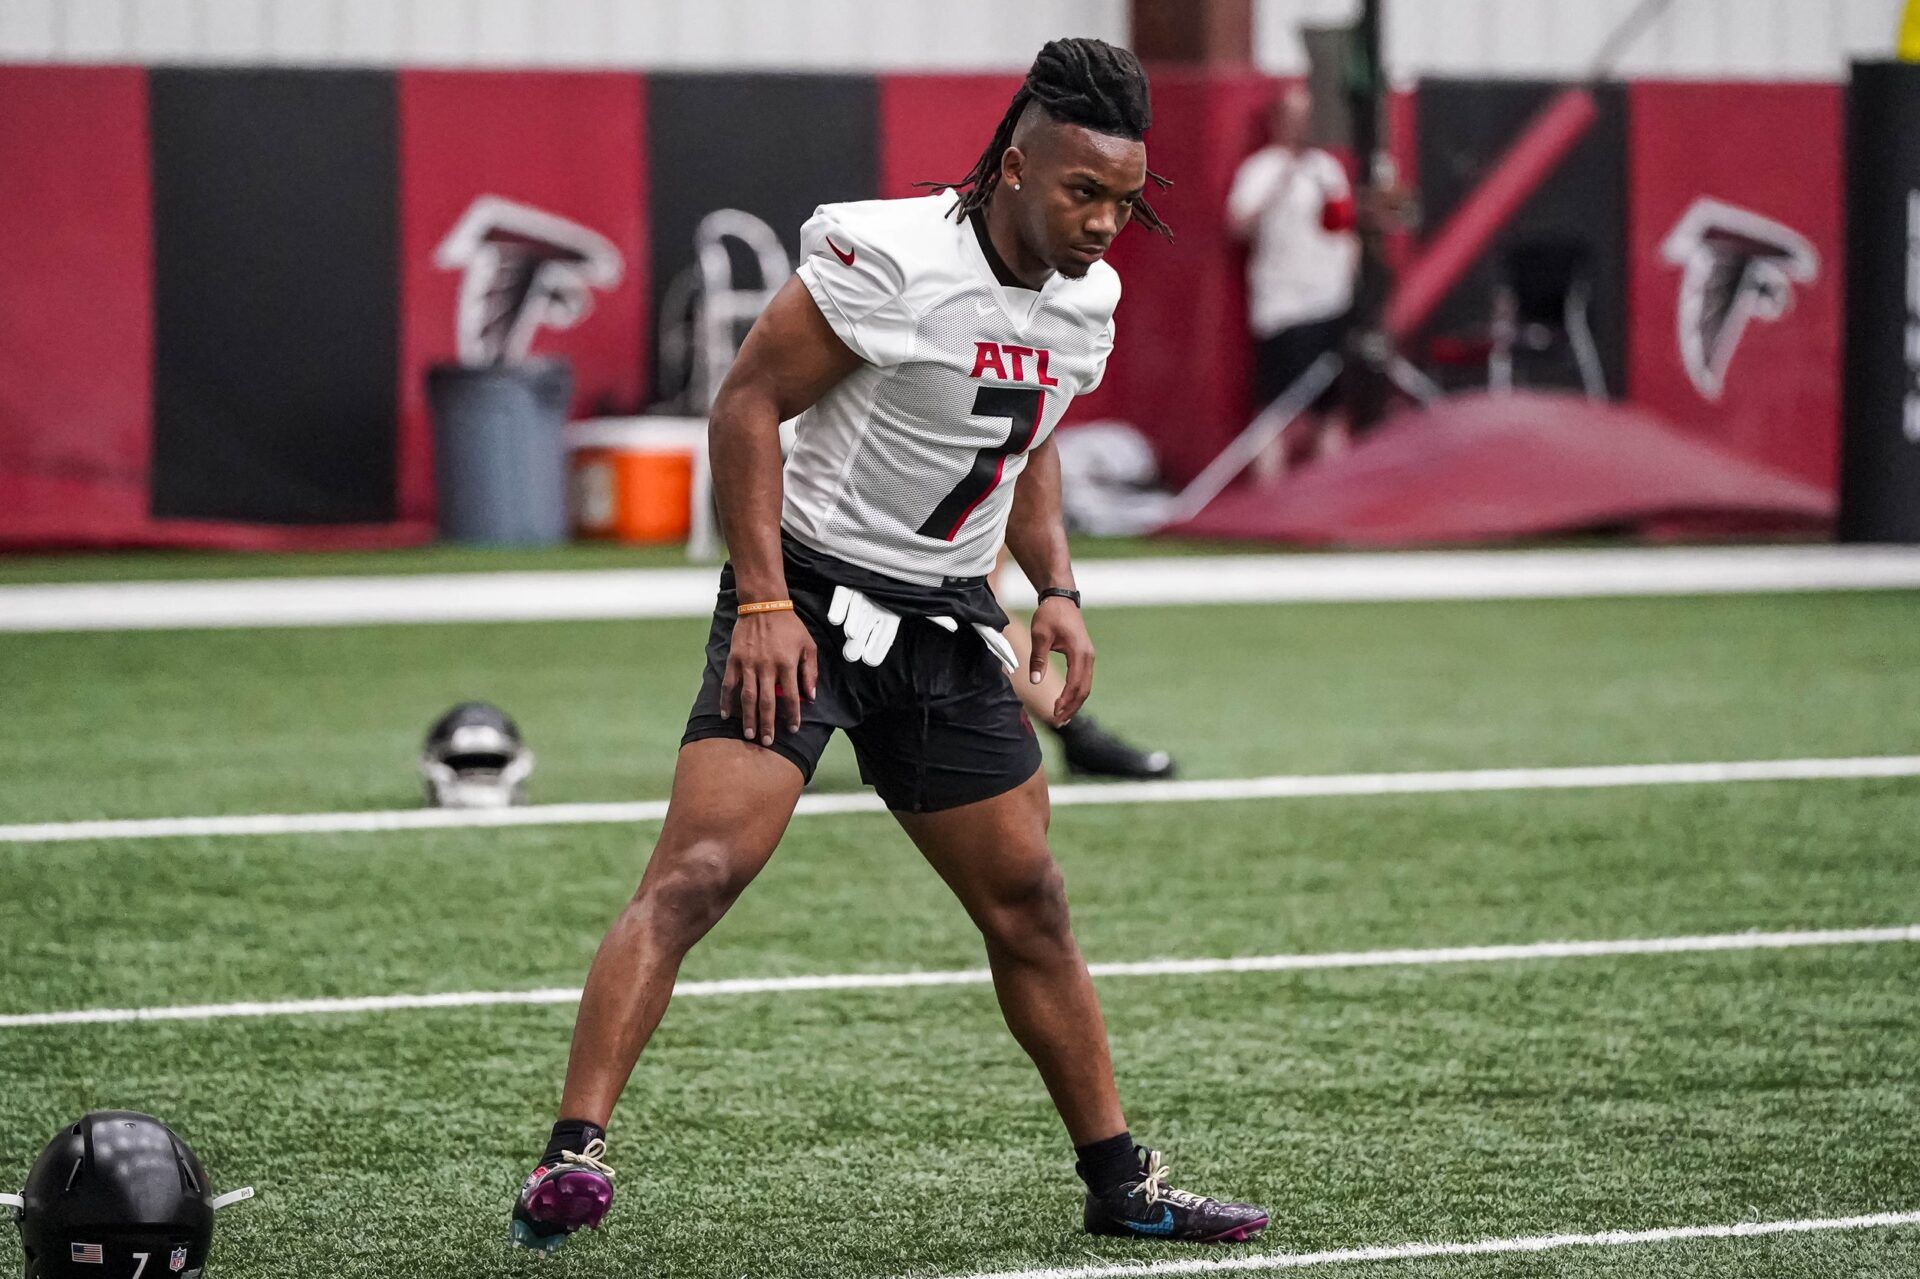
(845, 257)
(996, 357)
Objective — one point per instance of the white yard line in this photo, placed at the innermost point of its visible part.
(1283, 786)
(1711, 943)
(1229, 579)
(1243, 1263)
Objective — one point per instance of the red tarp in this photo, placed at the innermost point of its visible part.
(1484, 468)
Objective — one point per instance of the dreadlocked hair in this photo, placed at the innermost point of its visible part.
(1081, 81)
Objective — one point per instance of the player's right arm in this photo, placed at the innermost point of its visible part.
(790, 359)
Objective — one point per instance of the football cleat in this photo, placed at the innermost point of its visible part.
(561, 1196)
(1151, 1209)
(1092, 751)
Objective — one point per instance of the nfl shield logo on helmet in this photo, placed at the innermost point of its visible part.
(177, 1260)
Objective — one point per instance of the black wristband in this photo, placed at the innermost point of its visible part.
(1061, 591)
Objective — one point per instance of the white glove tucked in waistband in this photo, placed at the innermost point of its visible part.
(869, 628)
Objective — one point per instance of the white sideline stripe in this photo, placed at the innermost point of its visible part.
(1283, 786)
(1484, 1247)
(586, 594)
(1717, 942)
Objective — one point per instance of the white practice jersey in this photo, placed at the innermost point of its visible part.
(907, 467)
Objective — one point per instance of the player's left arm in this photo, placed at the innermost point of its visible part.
(1037, 536)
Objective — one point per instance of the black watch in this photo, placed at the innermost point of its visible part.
(1060, 591)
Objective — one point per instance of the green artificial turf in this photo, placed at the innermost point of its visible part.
(872, 1134)
(885, 1133)
(136, 566)
(134, 724)
(351, 914)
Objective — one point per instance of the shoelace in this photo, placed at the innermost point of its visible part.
(1155, 1186)
(588, 1158)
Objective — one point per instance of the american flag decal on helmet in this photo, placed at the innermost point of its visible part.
(87, 1254)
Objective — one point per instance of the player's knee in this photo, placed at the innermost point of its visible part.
(1029, 910)
(687, 897)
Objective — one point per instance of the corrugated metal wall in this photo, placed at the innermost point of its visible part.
(802, 34)
(1706, 39)
(1770, 39)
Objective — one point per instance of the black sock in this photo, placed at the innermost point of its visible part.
(571, 1134)
(1108, 1165)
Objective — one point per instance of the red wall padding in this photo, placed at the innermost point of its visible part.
(1181, 357)
(1773, 149)
(75, 300)
(571, 144)
(933, 127)
(76, 276)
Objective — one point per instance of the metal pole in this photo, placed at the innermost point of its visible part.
(1367, 389)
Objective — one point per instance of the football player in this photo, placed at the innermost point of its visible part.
(927, 347)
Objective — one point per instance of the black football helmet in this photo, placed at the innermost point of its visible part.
(117, 1195)
(474, 758)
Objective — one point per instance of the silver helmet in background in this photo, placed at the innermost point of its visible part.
(474, 758)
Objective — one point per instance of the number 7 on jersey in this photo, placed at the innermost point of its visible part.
(1022, 406)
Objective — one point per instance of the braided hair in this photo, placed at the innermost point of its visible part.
(1081, 81)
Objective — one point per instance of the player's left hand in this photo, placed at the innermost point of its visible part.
(1058, 628)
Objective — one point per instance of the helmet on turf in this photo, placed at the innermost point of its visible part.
(474, 758)
(117, 1195)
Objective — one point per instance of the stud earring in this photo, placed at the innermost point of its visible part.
(1016, 186)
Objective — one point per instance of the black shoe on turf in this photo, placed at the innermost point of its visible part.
(1151, 1209)
(1092, 751)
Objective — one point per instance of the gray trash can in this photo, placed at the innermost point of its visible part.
(499, 456)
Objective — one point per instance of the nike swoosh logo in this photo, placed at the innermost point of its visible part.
(844, 256)
(984, 308)
(1164, 1226)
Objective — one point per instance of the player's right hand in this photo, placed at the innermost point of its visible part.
(771, 665)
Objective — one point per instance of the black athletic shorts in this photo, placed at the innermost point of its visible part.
(936, 725)
(1280, 360)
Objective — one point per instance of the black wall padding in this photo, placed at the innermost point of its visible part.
(276, 320)
(771, 145)
(1464, 126)
(1880, 442)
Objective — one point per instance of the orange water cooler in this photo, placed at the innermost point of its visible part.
(637, 479)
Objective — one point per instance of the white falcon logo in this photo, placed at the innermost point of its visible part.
(1736, 267)
(522, 269)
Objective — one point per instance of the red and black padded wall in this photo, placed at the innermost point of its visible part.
(218, 293)
(275, 329)
(1658, 150)
(771, 145)
(1465, 127)
(219, 298)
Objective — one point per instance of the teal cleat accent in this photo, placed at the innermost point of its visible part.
(524, 1234)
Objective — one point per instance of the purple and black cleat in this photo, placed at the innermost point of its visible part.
(1148, 1208)
(560, 1197)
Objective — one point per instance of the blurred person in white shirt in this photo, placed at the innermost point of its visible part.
(1294, 205)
